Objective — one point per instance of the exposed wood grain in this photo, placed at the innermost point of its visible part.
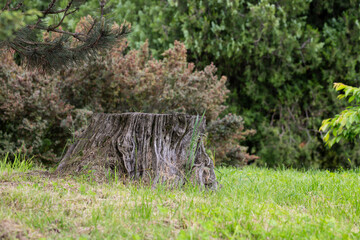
(153, 148)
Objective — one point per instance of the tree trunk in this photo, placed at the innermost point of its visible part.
(156, 148)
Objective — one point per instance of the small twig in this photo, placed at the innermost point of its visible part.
(102, 5)
(65, 14)
(7, 4)
(55, 12)
(46, 12)
(258, 40)
(36, 43)
(17, 7)
(92, 26)
(51, 5)
(75, 35)
(71, 12)
(305, 43)
(14, 46)
(302, 47)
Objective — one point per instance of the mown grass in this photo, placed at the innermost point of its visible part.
(253, 203)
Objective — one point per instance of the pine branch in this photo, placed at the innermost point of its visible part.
(75, 35)
(61, 52)
(8, 8)
(57, 54)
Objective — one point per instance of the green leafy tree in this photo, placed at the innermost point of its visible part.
(12, 19)
(346, 124)
(25, 23)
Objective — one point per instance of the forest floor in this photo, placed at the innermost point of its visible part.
(253, 203)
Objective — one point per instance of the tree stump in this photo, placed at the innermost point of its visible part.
(154, 148)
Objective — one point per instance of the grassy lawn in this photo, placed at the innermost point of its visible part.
(253, 203)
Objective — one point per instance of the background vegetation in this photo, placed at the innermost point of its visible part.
(280, 59)
(345, 125)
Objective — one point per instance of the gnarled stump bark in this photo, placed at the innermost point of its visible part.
(151, 147)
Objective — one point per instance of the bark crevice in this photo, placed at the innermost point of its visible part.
(153, 148)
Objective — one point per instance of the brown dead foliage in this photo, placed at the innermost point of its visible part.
(12, 230)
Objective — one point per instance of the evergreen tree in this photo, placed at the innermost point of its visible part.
(24, 23)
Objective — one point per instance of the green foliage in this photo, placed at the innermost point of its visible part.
(18, 162)
(194, 143)
(12, 21)
(345, 125)
(39, 112)
(15, 15)
(138, 82)
(280, 57)
(23, 27)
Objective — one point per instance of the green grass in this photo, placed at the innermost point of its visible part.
(253, 203)
(18, 162)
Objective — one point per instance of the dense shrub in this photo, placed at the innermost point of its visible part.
(32, 114)
(138, 82)
(39, 113)
(281, 58)
(345, 125)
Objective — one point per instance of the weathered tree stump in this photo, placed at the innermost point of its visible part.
(154, 148)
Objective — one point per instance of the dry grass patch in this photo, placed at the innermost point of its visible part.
(12, 230)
